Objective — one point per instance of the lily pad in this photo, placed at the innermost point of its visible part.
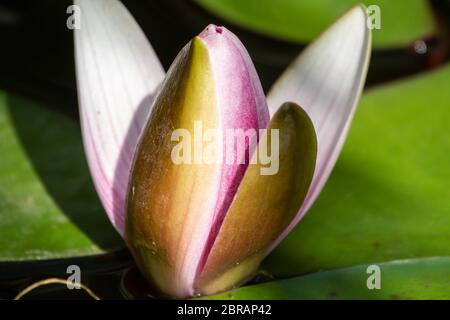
(404, 279)
(402, 21)
(48, 207)
(388, 196)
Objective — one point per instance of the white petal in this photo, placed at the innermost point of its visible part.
(117, 74)
(326, 80)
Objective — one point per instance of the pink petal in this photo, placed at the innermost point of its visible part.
(327, 80)
(117, 74)
(242, 103)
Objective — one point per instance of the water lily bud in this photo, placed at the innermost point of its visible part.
(175, 208)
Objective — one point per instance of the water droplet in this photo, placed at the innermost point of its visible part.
(420, 47)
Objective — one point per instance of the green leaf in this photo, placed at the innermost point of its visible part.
(403, 279)
(388, 196)
(48, 207)
(402, 21)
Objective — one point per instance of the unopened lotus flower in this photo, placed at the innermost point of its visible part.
(202, 228)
